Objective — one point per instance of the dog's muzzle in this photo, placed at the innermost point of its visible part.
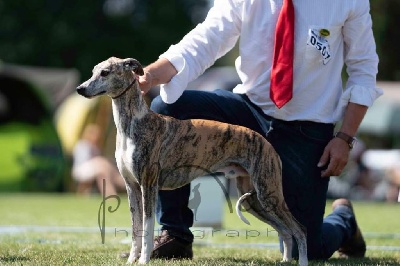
(83, 90)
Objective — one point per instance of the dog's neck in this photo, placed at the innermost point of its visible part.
(128, 106)
(126, 89)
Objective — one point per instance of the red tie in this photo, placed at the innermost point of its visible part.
(281, 90)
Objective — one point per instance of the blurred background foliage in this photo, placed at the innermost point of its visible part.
(79, 34)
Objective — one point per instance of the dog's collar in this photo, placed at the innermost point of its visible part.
(125, 90)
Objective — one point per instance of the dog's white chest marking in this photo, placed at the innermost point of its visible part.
(123, 155)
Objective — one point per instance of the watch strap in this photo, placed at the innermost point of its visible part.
(347, 138)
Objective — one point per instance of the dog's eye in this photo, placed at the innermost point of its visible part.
(104, 73)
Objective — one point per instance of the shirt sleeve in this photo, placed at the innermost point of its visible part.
(201, 47)
(360, 57)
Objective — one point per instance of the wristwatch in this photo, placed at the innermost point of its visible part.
(351, 141)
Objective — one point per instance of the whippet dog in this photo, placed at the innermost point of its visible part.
(156, 152)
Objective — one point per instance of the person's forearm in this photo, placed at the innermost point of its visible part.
(161, 71)
(353, 116)
(336, 153)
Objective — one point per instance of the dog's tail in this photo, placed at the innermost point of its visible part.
(239, 203)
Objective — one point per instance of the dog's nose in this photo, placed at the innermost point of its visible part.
(80, 89)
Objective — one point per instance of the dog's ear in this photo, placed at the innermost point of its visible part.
(131, 64)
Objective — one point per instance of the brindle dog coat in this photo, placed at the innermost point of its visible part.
(159, 152)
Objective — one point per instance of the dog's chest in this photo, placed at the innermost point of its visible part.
(124, 151)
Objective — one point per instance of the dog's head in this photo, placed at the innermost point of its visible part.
(111, 77)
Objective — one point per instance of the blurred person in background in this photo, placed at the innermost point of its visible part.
(394, 181)
(355, 181)
(360, 182)
(91, 167)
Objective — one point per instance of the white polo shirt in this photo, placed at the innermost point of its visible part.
(328, 33)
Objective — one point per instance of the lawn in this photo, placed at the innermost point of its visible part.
(63, 229)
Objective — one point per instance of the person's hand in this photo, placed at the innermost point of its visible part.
(159, 72)
(335, 157)
(145, 82)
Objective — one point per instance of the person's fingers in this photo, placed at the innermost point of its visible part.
(335, 167)
(145, 82)
(324, 158)
(334, 157)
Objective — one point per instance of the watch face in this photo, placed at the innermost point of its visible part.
(353, 143)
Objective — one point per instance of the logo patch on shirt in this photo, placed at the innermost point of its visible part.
(317, 39)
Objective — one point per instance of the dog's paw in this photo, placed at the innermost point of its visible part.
(132, 259)
(303, 261)
(143, 260)
(286, 260)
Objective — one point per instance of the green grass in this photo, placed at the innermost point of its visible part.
(63, 230)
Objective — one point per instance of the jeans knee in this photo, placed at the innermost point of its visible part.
(158, 106)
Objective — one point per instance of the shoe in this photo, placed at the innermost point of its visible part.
(169, 247)
(355, 247)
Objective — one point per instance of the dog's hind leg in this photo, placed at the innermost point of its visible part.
(301, 240)
(135, 205)
(289, 228)
(149, 193)
(252, 205)
(279, 217)
(266, 202)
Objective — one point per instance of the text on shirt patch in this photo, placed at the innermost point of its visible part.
(317, 39)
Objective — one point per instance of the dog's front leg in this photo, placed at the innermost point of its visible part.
(135, 205)
(149, 205)
(287, 247)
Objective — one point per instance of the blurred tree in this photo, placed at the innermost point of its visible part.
(79, 34)
(386, 18)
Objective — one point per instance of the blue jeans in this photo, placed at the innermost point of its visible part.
(299, 144)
